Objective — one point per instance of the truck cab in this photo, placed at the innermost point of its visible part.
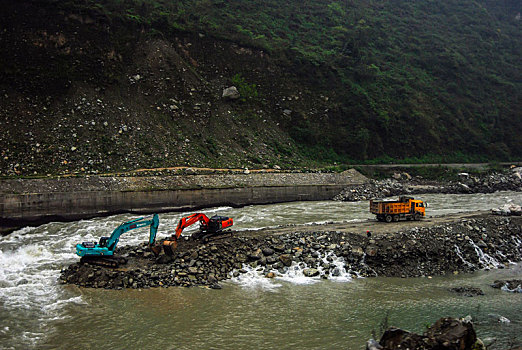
(417, 206)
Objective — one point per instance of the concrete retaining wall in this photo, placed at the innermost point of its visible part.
(17, 210)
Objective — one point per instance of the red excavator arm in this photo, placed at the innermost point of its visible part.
(190, 220)
(207, 227)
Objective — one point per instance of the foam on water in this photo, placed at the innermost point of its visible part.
(485, 259)
(30, 268)
(338, 273)
(254, 278)
(30, 264)
(295, 274)
(459, 254)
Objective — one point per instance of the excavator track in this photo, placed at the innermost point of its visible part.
(210, 237)
(105, 261)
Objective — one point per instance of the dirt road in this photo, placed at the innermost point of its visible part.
(374, 226)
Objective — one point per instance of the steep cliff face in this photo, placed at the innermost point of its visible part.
(102, 86)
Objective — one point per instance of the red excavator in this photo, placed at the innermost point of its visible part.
(207, 228)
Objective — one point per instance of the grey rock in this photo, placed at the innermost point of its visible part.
(310, 272)
(268, 251)
(286, 259)
(372, 344)
(231, 93)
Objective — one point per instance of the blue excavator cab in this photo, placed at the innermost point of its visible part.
(107, 245)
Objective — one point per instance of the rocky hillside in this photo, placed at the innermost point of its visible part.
(89, 86)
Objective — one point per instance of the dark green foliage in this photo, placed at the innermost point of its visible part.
(413, 80)
(418, 77)
(246, 90)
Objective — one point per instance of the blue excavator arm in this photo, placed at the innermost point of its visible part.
(107, 245)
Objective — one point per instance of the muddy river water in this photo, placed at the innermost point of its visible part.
(249, 312)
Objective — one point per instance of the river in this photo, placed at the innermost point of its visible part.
(250, 311)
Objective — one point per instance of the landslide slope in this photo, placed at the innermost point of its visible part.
(91, 86)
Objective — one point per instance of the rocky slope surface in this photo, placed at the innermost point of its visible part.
(89, 87)
(476, 242)
(405, 184)
(82, 94)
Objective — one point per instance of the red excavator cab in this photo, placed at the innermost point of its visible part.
(217, 223)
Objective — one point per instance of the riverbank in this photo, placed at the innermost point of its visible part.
(445, 245)
(402, 183)
(32, 202)
(37, 201)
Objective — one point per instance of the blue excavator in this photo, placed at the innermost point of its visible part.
(102, 253)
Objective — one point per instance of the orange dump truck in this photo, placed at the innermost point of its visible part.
(404, 208)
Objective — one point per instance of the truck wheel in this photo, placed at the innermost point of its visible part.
(396, 218)
(388, 218)
(416, 217)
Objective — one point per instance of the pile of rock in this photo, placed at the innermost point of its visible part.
(508, 210)
(468, 245)
(506, 181)
(206, 264)
(373, 189)
(402, 184)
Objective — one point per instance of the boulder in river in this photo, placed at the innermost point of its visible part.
(514, 286)
(310, 272)
(467, 291)
(445, 334)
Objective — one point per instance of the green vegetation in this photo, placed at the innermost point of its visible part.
(246, 90)
(410, 78)
(424, 81)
